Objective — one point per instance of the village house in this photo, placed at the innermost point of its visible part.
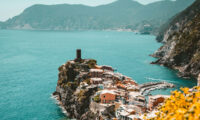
(107, 82)
(107, 96)
(156, 100)
(110, 87)
(118, 76)
(122, 97)
(96, 73)
(127, 112)
(136, 102)
(140, 98)
(107, 75)
(130, 81)
(130, 87)
(121, 86)
(135, 98)
(96, 81)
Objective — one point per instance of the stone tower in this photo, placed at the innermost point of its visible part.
(78, 55)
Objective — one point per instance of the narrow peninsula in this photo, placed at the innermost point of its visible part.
(87, 91)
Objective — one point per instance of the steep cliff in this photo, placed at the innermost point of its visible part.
(78, 98)
(181, 38)
(75, 101)
(88, 91)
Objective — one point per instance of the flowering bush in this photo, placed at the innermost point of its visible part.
(182, 105)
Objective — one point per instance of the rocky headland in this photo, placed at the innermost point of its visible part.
(181, 38)
(88, 91)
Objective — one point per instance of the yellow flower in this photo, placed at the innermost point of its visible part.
(183, 105)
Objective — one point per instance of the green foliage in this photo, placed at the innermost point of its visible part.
(196, 57)
(185, 33)
(69, 84)
(91, 63)
(59, 82)
(177, 18)
(81, 95)
(118, 14)
(188, 40)
(87, 81)
(72, 85)
(97, 98)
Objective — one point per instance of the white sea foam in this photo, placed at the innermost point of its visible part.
(55, 98)
(162, 80)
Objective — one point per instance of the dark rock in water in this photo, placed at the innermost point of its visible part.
(181, 38)
(154, 62)
(55, 93)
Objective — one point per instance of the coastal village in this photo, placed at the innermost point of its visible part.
(121, 94)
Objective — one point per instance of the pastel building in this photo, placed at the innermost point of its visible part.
(128, 112)
(107, 96)
(96, 81)
(96, 73)
(156, 100)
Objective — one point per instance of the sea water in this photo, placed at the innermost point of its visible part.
(29, 62)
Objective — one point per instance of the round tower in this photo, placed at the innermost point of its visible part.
(78, 55)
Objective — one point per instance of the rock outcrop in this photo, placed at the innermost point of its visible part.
(88, 91)
(181, 38)
(75, 101)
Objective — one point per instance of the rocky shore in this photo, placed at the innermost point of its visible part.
(75, 101)
(88, 92)
(181, 38)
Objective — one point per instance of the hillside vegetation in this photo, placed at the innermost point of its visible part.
(124, 14)
(182, 42)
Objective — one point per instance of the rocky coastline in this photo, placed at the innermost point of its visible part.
(87, 91)
(181, 41)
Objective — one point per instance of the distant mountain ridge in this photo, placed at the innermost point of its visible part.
(1, 24)
(122, 14)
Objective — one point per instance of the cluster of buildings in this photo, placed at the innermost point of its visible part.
(122, 92)
(115, 89)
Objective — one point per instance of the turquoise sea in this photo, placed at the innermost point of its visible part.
(29, 62)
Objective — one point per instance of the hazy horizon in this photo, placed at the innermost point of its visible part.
(14, 8)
